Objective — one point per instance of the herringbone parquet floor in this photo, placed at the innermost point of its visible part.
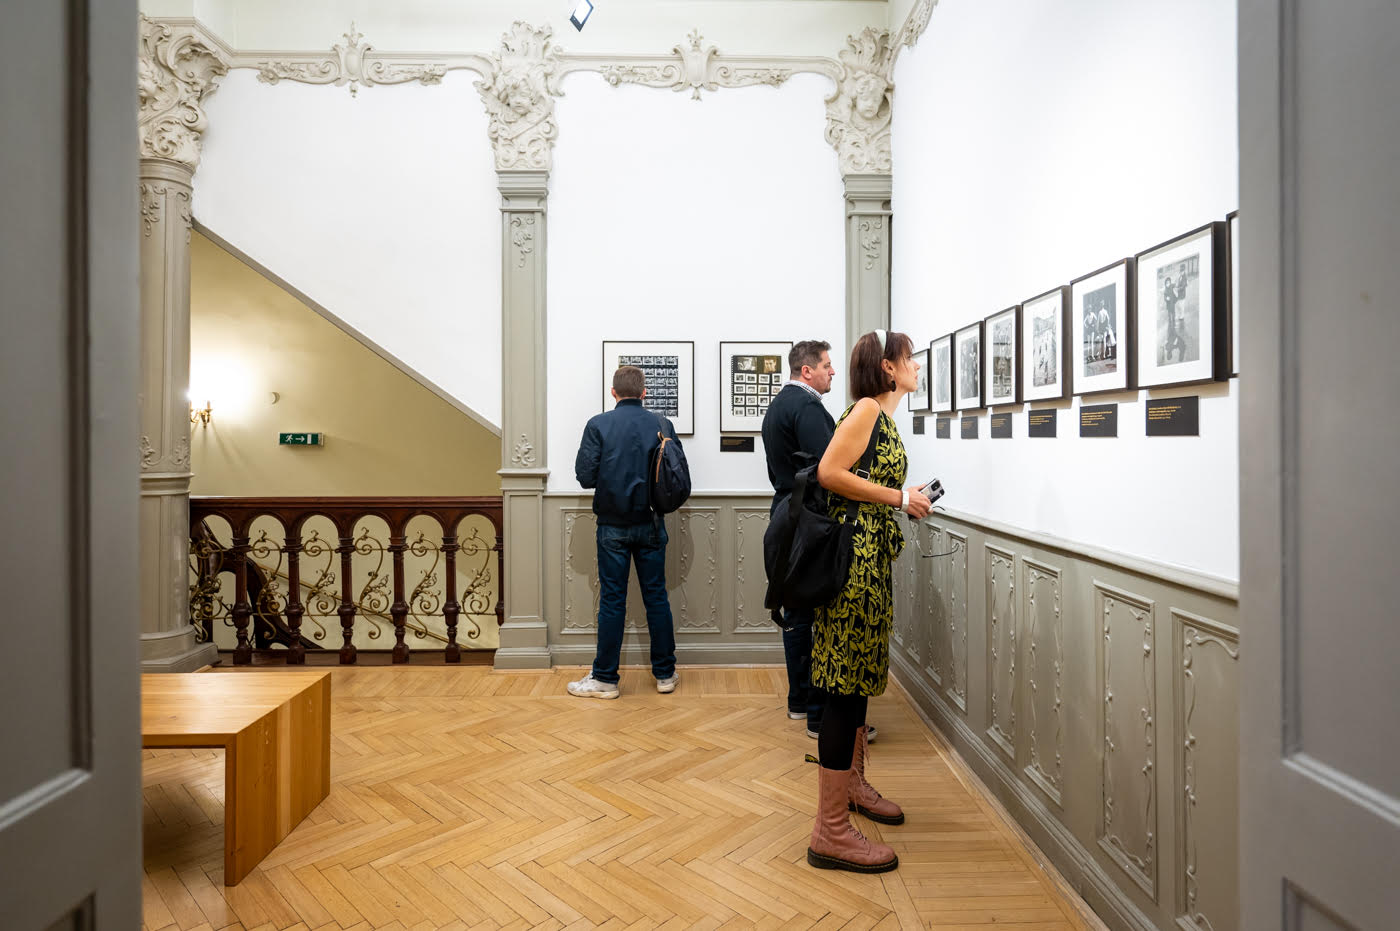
(465, 798)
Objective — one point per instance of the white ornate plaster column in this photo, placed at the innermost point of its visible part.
(177, 70)
(858, 126)
(518, 94)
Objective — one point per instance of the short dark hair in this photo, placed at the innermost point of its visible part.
(629, 381)
(807, 352)
(867, 376)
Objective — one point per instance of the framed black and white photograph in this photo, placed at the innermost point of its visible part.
(1002, 377)
(940, 363)
(967, 381)
(750, 376)
(1045, 356)
(670, 378)
(919, 397)
(1180, 310)
(1101, 332)
(1232, 233)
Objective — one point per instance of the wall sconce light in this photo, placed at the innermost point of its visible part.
(201, 417)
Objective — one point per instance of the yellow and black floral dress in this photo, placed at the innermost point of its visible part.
(851, 635)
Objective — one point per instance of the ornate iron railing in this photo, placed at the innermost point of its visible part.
(263, 569)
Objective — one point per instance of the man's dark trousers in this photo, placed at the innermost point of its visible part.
(797, 649)
(644, 544)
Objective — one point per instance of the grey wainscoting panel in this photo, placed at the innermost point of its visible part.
(1080, 689)
(1045, 661)
(1207, 769)
(751, 584)
(1001, 649)
(714, 578)
(1127, 829)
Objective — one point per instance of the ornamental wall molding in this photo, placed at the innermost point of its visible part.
(914, 25)
(178, 67)
(858, 115)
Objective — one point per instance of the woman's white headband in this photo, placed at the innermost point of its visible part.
(881, 334)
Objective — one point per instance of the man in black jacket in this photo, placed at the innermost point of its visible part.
(796, 430)
(612, 460)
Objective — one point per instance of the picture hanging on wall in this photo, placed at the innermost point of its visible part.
(1181, 335)
(1002, 375)
(1232, 232)
(967, 349)
(750, 376)
(919, 397)
(1101, 322)
(670, 378)
(940, 363)
(1045, 356)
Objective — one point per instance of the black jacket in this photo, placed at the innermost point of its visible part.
(796, 422)
(612, 459)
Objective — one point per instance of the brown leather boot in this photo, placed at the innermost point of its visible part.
(862, 796)
(835, 843)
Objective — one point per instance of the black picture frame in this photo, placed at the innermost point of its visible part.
(1232, 274)
(613, 350)
(989, 358)
(920, 403)
(971, 334)
(1063, 355)
(1084, 292)
(940, 380)
(1202, 254)
(763, 386)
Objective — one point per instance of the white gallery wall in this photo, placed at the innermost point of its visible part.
(1034, 143)
(674, 219)
(381, 207)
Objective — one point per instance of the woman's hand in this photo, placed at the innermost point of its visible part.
(919, 504)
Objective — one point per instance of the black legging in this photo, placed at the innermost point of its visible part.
(843, 716)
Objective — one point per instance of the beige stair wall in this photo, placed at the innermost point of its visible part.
(386, 433)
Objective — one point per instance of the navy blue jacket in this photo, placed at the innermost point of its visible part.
(612, 459)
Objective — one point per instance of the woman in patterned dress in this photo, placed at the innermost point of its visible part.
(851, 634)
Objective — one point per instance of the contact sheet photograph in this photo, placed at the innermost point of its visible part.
(1181, 338)
(967, 382)
(750, 376)
(919, 397)
(670, 377)
(1101, 329)
(940, 365)
(1045, 353)
(1002, 378)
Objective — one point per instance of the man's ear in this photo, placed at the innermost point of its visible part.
(614, 394)
(643, 394)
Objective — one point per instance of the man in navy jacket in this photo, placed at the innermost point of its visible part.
(613, 460)
(796, 430)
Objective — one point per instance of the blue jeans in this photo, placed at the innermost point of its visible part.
(646, 545)
(797, 653)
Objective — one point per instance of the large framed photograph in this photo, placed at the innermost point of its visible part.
(1181, 338)
(919, 397)
(1232, 233)
(1101, 332)
(940, 385)
(1002, 379)
(670, 374)
(1045, 348)
(750, 376)
(967, 349)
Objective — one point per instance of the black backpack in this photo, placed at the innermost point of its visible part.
(806, 552)
(668, 475)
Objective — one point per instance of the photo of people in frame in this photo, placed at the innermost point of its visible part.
(1178, 289)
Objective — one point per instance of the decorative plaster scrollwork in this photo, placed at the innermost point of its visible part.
(743, 621)
(351, 65)
(700, 68)
(519, 96)
(915, 23)
(152, 199)
(176, 70)
(1047, 779)
(858, 114)
(180, 458)
(871, 240)
(524, 454)
(1001, 573)
(522, 236)
(1140, 864)
(149, 454)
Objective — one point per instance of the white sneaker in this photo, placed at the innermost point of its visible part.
(589, 687)
(668, 684)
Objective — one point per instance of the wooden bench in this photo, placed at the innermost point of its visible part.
(274, 728)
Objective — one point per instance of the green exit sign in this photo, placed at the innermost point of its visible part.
(299, 439)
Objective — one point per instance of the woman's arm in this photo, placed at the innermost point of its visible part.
(844, 451)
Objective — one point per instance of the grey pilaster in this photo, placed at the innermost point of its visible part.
(524, 635)
(867, 254)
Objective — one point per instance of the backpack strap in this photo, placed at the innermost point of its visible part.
(866, 461)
